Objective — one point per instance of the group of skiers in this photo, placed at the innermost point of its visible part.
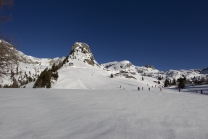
(149, 87)
(201, 92)
(179, 89)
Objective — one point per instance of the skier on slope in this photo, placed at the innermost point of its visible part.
(138, 88)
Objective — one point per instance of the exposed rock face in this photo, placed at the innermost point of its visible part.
(149, 66)
(81, 51)
(84, 47)
(204, 71)
(8, 58)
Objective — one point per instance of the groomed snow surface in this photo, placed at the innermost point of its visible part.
(103, 114)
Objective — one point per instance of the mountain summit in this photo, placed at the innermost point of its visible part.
(82, 52)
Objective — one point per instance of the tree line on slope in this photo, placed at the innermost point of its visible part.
(19, 79)
(183, 81)
(48, 76)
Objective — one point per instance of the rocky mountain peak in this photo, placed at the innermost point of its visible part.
(81, 51)
(80, 47)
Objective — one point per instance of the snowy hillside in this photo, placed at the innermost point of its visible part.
(149, 71)
(127, 66)
(188, 74)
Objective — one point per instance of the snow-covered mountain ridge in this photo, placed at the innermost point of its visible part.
(21, 57)
(80, 70)
(26, 68)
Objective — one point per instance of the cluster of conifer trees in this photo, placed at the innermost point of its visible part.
(21, 81)
(44, 80)
(168, 82)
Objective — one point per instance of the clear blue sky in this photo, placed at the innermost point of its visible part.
(169, 34)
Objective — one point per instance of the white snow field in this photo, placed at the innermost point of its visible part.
(103, 114)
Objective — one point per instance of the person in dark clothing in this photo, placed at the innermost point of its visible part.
(142, 88)
(201, 92)
(179, 89)
(149, 88)
(138, 88)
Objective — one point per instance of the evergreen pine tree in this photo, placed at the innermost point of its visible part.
(202, 80)
(17, 70)
(174, 82)
(166, 83)
(12, 74)
(160, 78)
(181, 83)
(15, 84)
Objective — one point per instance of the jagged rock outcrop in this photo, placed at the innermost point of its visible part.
(149, 66)
(81, 51)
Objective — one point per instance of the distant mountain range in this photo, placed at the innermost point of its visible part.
(80, 70)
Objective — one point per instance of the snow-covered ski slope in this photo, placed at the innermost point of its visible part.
(81, 71)
(103, 114)
(84, 76)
